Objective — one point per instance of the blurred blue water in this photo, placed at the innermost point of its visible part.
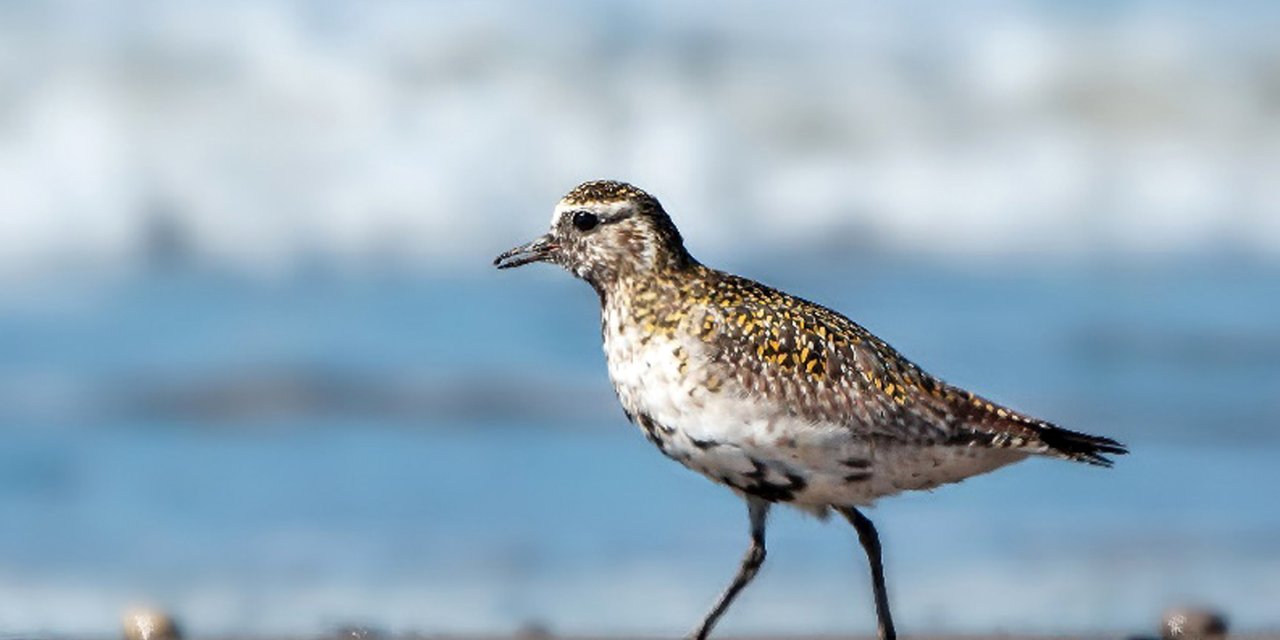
(444, 453)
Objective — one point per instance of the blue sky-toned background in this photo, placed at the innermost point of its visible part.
(255, 366)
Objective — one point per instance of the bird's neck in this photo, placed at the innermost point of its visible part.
(660, 276)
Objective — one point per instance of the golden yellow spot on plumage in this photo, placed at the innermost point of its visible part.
(888, 388)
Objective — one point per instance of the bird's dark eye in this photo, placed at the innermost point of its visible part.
(585, 220)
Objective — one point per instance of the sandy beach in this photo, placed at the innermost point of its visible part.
(1270, 635)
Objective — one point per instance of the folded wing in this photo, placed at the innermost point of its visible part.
(828, 369)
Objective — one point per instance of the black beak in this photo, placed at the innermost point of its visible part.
(539, 250)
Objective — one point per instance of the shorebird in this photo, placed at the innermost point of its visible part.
(780, 399)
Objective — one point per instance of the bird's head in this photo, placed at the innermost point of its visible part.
(605, 230)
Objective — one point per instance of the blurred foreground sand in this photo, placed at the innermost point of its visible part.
(1184, 622)
(909, 636)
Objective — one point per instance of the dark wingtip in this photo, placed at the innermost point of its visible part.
(1095, 459)
(1082, 447)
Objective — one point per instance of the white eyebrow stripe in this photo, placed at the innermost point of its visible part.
(608, 211)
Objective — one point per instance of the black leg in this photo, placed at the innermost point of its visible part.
(871, 543)
(758, 510)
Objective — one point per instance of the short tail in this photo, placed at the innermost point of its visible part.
(997, 426)
(1080, 447)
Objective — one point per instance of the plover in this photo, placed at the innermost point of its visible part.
(780, 399)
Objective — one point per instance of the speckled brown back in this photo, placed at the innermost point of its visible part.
(827, 368)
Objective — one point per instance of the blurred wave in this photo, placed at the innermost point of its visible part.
(266, 136)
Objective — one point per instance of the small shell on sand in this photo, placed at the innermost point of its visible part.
(145, 623)
(1193, 623)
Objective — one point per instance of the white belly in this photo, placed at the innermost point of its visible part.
(712, 426)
